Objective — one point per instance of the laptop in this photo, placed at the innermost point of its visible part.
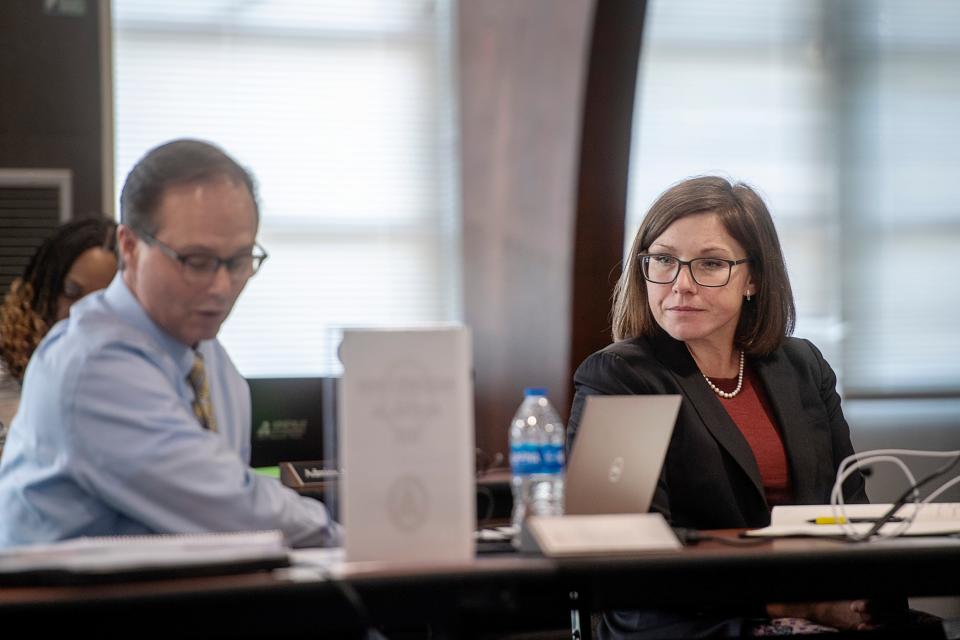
(619, 450)
(291, 420)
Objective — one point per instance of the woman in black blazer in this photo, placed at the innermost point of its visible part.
(710, 478)
(703, 309)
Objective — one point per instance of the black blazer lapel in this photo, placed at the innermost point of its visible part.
(779, 379)
(674, 356)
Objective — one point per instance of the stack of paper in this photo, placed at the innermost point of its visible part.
(937, 518)
(143, 556)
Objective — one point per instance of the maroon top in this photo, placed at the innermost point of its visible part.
(750, 411)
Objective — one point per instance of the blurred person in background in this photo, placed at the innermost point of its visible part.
(79, 258)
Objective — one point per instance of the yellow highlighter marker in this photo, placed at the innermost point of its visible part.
(842, 520)
(828, 520)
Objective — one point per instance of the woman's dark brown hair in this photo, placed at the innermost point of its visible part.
(768, 317)
(30, 307)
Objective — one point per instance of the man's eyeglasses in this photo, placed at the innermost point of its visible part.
(200, 268)
(662, 268)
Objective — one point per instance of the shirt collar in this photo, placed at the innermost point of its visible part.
(119, 297)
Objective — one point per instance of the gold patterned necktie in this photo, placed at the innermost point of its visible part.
(202, 406)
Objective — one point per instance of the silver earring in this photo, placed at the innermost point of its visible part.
(749, 296)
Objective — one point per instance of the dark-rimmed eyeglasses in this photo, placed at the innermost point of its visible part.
(662, 268)
(200, 268)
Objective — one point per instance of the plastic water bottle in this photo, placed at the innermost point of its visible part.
(536, 458)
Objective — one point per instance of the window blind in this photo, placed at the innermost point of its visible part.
(841, 114)
(343, 110)
(903, 219)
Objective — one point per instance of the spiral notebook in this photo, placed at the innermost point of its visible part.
(124, 558)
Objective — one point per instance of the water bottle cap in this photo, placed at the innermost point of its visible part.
(535, 391)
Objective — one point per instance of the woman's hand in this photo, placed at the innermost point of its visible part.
(843, 615)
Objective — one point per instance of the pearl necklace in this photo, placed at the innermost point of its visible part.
(720, 392)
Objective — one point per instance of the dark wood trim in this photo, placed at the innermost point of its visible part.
(604, 171)
(51, 111)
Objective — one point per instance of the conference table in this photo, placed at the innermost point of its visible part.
(495, 592)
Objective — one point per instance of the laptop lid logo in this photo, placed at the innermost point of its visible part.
(616, 470)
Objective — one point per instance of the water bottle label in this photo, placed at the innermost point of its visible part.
(552, 458)
(525, 459)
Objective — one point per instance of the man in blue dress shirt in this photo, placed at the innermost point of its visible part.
(133, 419)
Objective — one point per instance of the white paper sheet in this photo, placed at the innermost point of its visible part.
(407, 445)
(800, 520)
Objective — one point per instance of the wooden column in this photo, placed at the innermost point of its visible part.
(603, 175)
(522, 69)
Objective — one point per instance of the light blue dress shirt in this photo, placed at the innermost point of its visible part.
(106, 443)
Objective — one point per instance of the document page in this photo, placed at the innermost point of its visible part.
(407, 445)
(938, 518)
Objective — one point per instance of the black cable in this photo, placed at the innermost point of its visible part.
(368, 631)
(902, 500)
(482, 460)
(692, 536)
(487, 493)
